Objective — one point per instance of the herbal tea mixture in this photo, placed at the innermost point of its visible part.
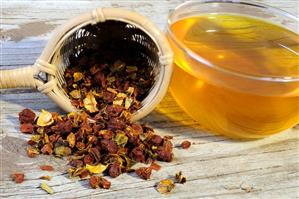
(100, 139)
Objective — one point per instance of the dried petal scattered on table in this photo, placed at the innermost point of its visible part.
(46, 168)
(18, 177)
(45, 187)
(180, 178)
(165, 186)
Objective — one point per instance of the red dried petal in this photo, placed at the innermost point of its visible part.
(18, 177)
(94, 181)
(26, 128)
(137, 155)
(76, 163)
(144, 172)
(156, 140)
(47, 149)
(155, 166)
(27, 116)
(88, 159)
(115, 169)
(46, 168)
(104, 183)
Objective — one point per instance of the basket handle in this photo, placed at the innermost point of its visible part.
(18, 78)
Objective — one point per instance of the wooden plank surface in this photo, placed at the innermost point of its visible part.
(216, 167)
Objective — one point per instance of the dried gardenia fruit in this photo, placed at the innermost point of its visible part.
(165, 186)
(44, 118)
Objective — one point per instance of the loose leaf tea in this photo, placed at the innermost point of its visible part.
(100, 138)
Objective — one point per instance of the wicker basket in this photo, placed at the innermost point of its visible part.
(90, 30)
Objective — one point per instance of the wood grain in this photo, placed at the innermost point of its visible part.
(215, 166)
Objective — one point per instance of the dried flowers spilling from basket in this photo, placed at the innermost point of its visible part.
(100, 139)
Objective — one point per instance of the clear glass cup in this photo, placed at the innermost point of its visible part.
(228, 100)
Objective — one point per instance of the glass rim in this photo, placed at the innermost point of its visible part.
(204, 61)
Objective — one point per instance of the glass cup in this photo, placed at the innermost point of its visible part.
(228, 100)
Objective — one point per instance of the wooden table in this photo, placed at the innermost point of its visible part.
(215, 166)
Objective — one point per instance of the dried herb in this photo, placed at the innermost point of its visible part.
(18, 177)
(45, 187)
(180, 178)
(165, 186)
(185, 144)
(46, 168)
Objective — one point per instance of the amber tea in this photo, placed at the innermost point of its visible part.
(239, 45)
